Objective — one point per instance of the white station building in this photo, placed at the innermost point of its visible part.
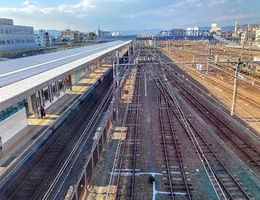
(30, 82)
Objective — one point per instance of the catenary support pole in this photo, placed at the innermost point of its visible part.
(235, 89)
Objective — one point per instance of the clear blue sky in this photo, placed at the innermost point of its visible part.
(87, 15)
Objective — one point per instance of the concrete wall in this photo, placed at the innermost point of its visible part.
(12, 125)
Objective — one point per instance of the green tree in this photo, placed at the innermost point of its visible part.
(91, 36)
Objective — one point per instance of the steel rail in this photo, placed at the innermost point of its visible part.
(165, 149)
(135, 139)
(135, 145)
(75, 118)
(165, 65)
(177, 150)
(216, 156)
(198, 104)
(117, 155)
(73, 151)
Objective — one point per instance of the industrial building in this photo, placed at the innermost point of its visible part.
(14, 37)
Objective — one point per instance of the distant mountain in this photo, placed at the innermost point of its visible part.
(156, 31)
(138, 31)
(224, 28)
(206, 28)
(231, 28)
(53, 32)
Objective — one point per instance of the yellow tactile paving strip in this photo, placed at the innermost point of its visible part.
(51, 118)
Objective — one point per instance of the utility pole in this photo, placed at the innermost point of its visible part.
(167, 45)
(116, 87)
(169, 48)
(235, 88)
(249, 57)
(208, 60)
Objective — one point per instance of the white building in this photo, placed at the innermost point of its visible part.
(192, 31)
(236, 27)
(248, 37)
(215, 30)
(42, 39)
(14, 38)
(115, 34)
(257, 36)
(39, 40)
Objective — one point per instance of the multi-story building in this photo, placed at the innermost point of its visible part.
(14, 38)
(192, 31)
(215, 30)
(248, 36)
(177, 31)
(253, 26)
(257, 36)
(39, 41)
(72, 35)
(101, 33)
(45, 37)
(42, 39)
(236, 27)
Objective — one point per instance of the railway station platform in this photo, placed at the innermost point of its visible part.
(36, 127)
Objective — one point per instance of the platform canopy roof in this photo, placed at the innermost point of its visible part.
(20, 78)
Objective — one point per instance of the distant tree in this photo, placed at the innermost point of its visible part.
(91, 36)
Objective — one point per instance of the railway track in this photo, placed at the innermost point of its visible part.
(244, 149)
(227, 186)
(174, 178)
(126, 172)
(39, 172)
(249, 98)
